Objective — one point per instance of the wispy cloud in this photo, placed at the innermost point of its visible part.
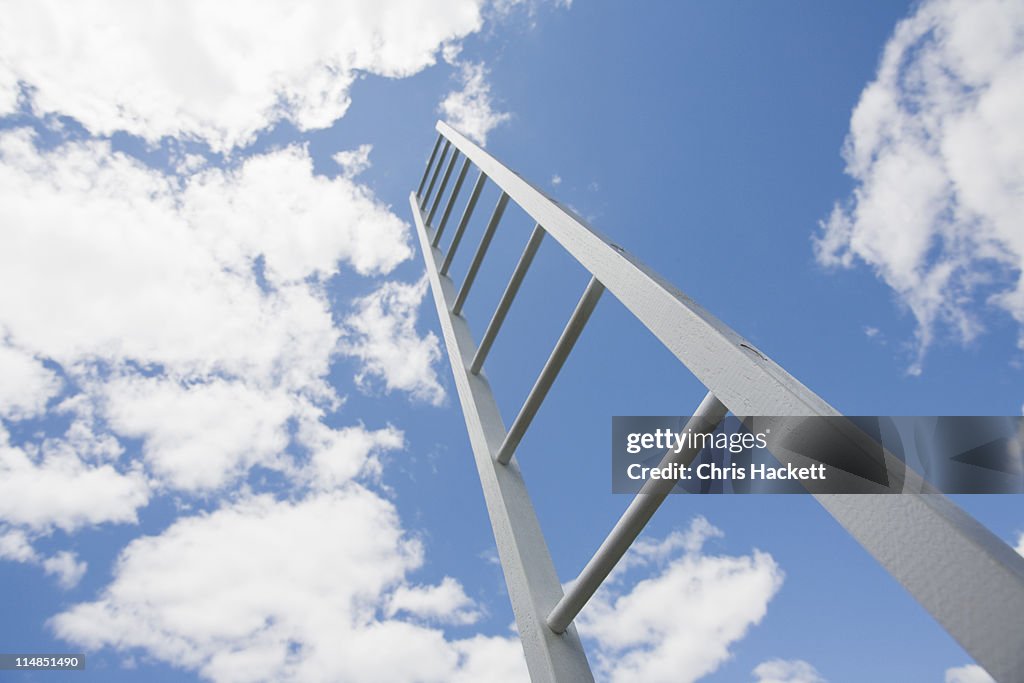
(66, 567)
(470, 110)
(786, 671)
(937, 151)
(353, 162)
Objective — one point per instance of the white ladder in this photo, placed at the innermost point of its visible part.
(966, 577)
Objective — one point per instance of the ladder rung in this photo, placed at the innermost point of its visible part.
(478, 257)
(426, 171)
(570, 334)
(654, 491)
(444, 184)
(437, 169)
(467, 212)
(506, 299)
(451, 202)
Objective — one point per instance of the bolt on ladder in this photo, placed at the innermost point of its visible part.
(965, 576)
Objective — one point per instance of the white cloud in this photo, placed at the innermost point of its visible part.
(25, 384)
(446, 602)
(1020, 543)
(66, 567)
(198, 318)
(556, 179)
(302, 224)
(971, 673)
(53, 487)
(189, 309)
(14, 546)
(937, 152)
(787, 671)
(382, 334)
(340, 455)
(221, 71)
(166, 277)
(354, 161)
(503, 8)
(678, 623)
(483, 658)
(470, 110)
(198, 437)
(450, 53)
(270, 590)
(9, 92)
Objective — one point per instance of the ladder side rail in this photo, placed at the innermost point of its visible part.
(533, 585)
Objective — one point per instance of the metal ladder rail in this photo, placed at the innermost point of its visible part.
(926, 518)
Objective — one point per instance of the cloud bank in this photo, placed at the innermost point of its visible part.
(218, 72)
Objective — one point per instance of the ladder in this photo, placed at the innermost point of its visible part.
(966, 577)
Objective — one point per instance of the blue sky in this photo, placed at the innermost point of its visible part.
(231, 448)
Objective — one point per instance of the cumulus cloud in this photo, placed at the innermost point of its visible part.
(217, 72)
(786, 671)
(1020, 543)
(937, 153)
(175, 326)
(51, 486)
(446, 602)
(971, 673)
(302, 224)
(191, 314)
(199, 436)
(266, 590)
(713, 599)
(124, 266)
(339, 455)
(382, 335)
(470, 110)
